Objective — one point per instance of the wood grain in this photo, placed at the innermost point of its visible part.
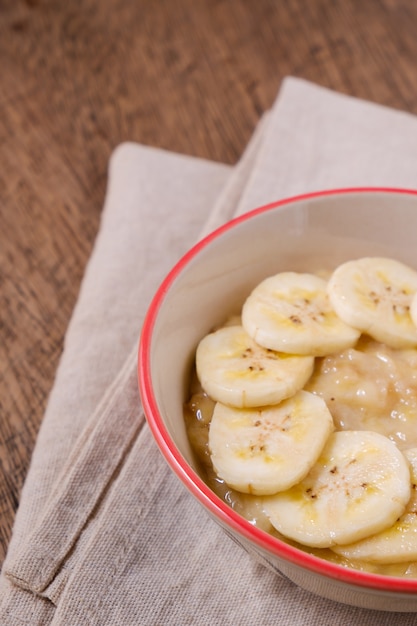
(190, 76)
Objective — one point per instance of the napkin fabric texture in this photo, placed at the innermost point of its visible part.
(105, 534)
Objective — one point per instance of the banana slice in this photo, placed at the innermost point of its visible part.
(265, 450)
(413, 309)
(290, 312)
(359, 486)
(374, 295)
(397, 544)
(234, 370)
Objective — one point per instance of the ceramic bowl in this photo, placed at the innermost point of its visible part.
(210, 282)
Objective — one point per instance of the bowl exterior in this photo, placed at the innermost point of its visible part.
(329, 587)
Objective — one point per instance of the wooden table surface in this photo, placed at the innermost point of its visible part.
(192, 76)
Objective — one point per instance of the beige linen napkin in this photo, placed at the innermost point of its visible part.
(105, 534)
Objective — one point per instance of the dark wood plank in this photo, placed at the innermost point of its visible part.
(191, 76)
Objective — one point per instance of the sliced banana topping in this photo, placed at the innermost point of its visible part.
(413, 309)
(234, 370)
(375, 296)
(350, 491)
(397, 544)
(265, 450)
(359, 486)
(291, 312)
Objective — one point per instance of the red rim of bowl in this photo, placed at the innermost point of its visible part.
(186, 474)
